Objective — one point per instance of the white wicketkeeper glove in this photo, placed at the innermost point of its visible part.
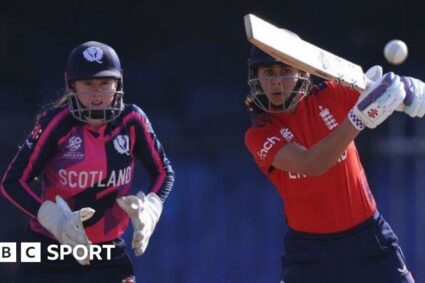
(144, 212)
(66, 225)
(377, 102)
(416, 89)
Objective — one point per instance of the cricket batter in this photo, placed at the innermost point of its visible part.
(302, 139)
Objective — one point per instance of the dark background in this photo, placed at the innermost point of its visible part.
(185, 65)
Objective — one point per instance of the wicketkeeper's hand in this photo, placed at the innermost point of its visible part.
(144, 212)
(377, 102)
(66, 225)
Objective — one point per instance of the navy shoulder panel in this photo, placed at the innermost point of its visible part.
(137, 109)
(318, 87)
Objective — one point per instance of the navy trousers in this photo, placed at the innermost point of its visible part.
(368, 253)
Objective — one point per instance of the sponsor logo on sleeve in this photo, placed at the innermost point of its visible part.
(35, 134)
(267, 146)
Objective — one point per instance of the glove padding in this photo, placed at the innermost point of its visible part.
(144, 212)
(66, 225)
(416, 89)
(377, 102)
(374, 73)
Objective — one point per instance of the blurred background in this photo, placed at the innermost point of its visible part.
(185, 65)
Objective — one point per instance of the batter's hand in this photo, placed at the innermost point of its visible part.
(374, 73)
(377, 102)
(416, 89)
(144, 212)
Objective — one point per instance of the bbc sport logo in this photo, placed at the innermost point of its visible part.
(31, 252)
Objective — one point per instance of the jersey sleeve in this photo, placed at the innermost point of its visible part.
(343, 95)
(29, 162)
(263, 144)
(149, 151)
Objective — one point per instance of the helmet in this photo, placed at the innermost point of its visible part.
(258, 57)
(257, 94)
(93, 60)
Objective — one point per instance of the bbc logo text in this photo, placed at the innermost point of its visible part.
(31, 252)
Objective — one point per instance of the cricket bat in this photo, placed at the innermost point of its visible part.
(292, 50)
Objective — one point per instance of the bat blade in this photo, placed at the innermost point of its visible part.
(292, 50)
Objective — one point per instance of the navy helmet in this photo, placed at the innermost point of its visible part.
(88, 61)
(257, 58)
(92, 60)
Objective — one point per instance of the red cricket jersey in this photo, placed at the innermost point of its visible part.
(339, 199)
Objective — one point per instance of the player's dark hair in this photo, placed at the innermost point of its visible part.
(253, 109)
(258, 116)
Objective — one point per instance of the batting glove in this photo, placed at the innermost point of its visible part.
(144, 212)
(66, 225)
(377, 102)
(375, 73)
(416, 89)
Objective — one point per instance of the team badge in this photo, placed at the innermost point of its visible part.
(328, 118)
(93, 54)
(122, 144)
(287, 134)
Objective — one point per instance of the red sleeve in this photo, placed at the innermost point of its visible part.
(346, 96)
(264, 143)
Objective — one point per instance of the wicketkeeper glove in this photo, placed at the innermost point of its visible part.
(144, 212)
(63, 223)
(377, 102)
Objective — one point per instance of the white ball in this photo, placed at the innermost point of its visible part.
(395, 51)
